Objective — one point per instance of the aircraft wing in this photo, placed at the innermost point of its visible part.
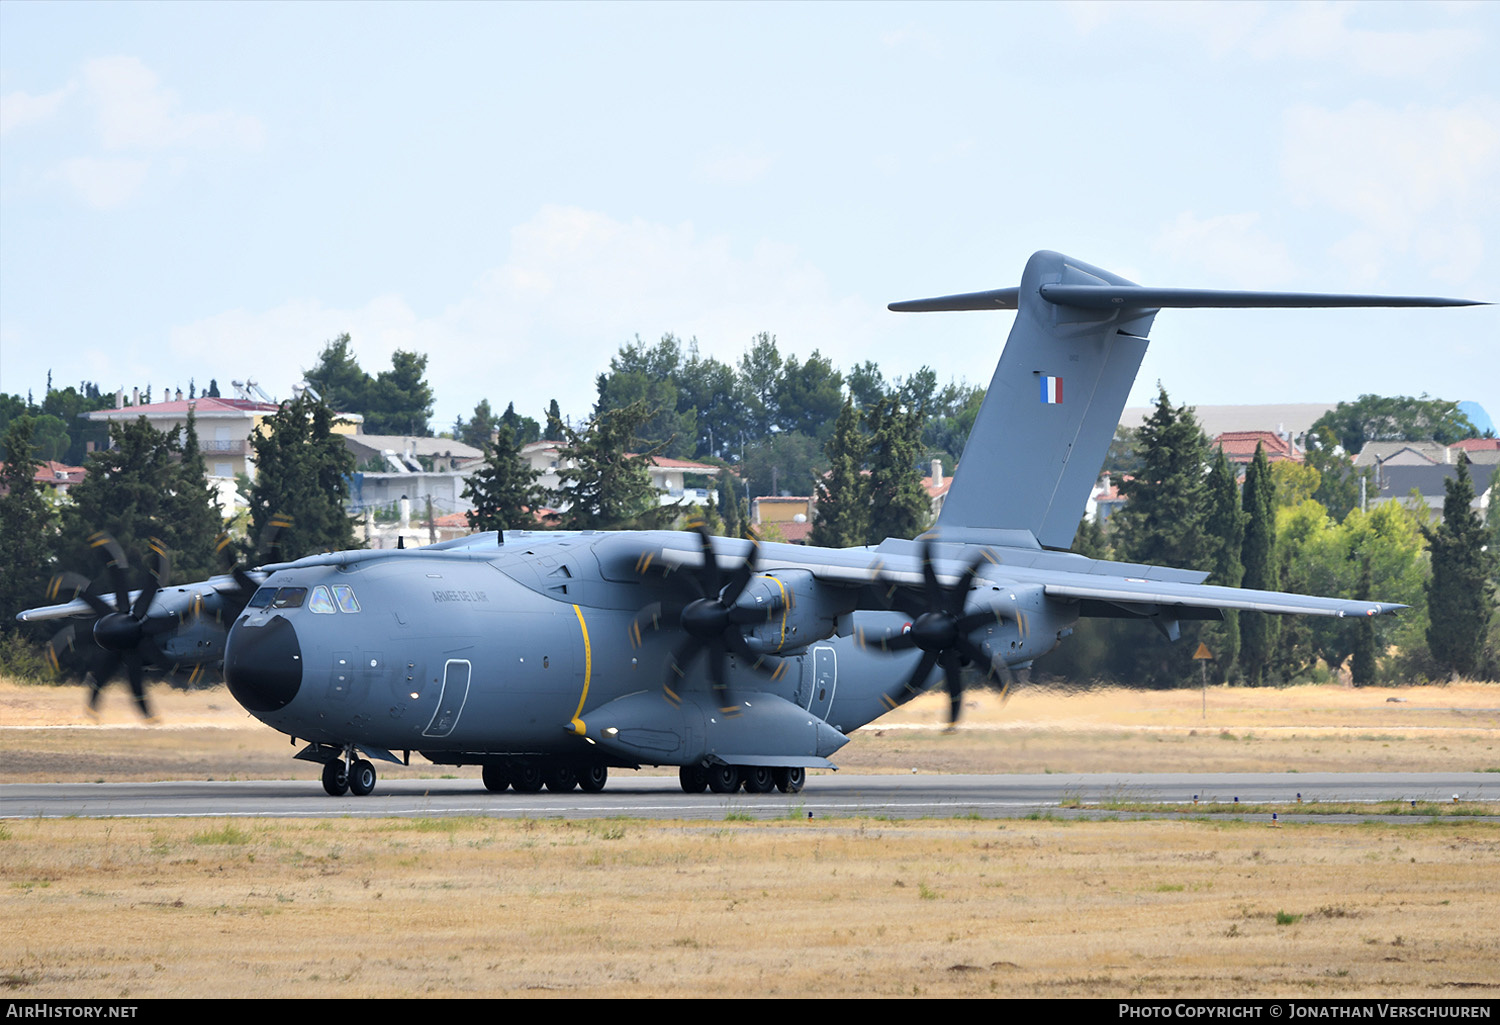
(1149, 597)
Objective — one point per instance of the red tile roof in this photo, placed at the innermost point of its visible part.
(1239, 446)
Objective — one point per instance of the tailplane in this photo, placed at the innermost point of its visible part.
(1052, 407)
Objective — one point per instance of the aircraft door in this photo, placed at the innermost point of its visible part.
(820, 681)
(451, 701)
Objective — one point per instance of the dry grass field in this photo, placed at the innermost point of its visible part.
(859, 907)
(1456, 728)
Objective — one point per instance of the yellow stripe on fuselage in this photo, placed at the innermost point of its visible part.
(588, 672)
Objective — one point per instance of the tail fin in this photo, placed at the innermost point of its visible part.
(1061, 384)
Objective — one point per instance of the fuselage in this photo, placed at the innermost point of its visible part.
(506, 650)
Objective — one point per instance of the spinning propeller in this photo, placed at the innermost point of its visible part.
(123, 631)
(939, 627)
(714, 624)
(268, 549)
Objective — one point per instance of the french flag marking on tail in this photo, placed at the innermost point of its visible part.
(1051, 390)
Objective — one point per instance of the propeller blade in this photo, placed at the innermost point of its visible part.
(953, 675)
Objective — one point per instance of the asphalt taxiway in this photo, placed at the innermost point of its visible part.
(630, 795)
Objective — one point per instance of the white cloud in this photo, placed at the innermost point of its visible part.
(576, 285)
(1411, 179)
(104, 184)
(734, 167)
(136, 112)
(19, 109)
(1231, 247)
(1316, 32)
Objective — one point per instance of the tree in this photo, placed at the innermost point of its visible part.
(337, 377)
(1225, 525)
(554, 429)
(783, 463)
(395, 401)
(400, 402)
(1460, 601)
(480, 428)
(1163, 521)
(1362, 660)
(193, 507)
(504, 490)
(523, 429)
(809, 396)
(1258, 629)
(842, 517)
(135, 490)
(899, 506)
(1394, 418)
(25, 526)
(760, 374)
(644, 374)
(602, 486)
(302, 471)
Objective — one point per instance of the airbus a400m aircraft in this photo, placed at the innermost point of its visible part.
(550, 658)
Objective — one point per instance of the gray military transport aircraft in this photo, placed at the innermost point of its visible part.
(549, 658)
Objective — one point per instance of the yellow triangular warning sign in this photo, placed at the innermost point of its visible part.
(1203, 653)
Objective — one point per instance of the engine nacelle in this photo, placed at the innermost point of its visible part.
(808, 610)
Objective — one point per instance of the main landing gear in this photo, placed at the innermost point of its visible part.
(756, 779)
(528, 778)
(341, 776)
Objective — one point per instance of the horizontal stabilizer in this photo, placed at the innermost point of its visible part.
(994, 299)
(1109, 297)
(1135, 297)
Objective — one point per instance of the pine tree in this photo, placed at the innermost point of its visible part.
(25, 526)
(842, 517)
(554, 429)
(504, 490)
(137, 490)
(1163, 523)
(302, 471)
(602, 486)
(899, 506)
(1460, 602)
(1258, 630)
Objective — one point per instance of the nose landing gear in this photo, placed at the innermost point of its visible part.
(341, 775)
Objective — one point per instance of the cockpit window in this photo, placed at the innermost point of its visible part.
(344, 595)
(263, 597)
(320, 602)
(289, 598)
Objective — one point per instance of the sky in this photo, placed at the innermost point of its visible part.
(214, 190)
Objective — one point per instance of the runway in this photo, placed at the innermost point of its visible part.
(831, 796)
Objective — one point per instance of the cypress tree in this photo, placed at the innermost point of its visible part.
(1226, 532)
(842, 517)
(899, 504)
(1460, 601)
(194, 512)
(1257, 629)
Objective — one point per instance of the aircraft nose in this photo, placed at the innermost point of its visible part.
(263, 664)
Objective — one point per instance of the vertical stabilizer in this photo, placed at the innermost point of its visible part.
(1051, 409)
(1056, 398)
